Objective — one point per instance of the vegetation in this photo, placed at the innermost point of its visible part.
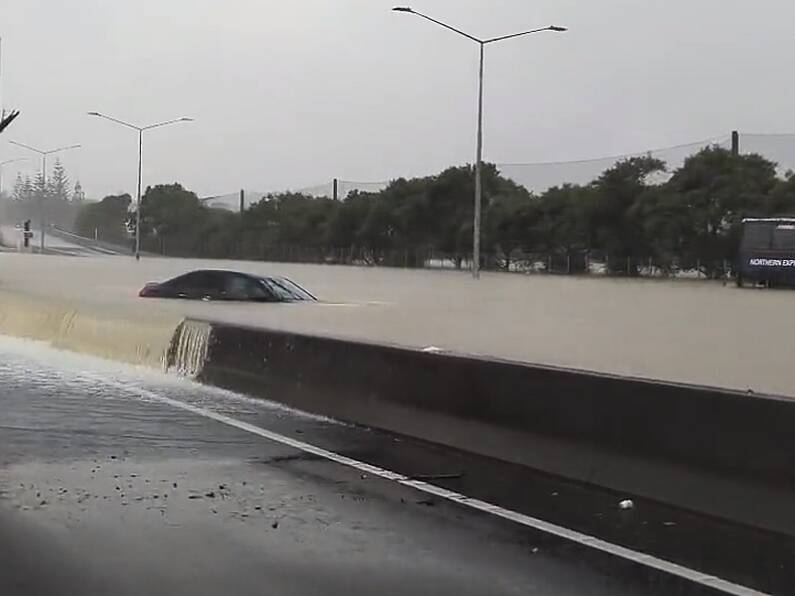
(634, 209)
(54, 200)
(105, 220)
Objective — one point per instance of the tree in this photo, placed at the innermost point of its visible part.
(170, 219)
(665, 222)
(40, 188)
(77, 194)
(58, 184)
(28, 189)
(718, 189)
(20, 192)
(105, 220)
(510, 223)
(566, 222)
(348, 219)
(611, 227)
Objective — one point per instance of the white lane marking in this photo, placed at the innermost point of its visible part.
(709, 581)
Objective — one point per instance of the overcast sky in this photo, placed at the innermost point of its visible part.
(288, 94)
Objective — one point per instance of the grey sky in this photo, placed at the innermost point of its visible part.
(290, 94)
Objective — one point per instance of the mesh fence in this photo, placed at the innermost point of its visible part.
(231, 201)
(538, 177)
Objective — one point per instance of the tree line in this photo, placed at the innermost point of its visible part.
(53, 198)
(636, 208)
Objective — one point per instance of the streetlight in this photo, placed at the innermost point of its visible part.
(44, 155)
(479, 160)
(6, 162)
(140, 130)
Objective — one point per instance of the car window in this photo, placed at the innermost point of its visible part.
(242, 287)
(280, 291)
(293, 288)
(191, 280)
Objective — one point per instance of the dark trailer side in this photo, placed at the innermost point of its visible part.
(767, 251)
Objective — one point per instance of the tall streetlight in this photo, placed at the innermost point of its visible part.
(140, 130)
(5, 163)
(44, 155)
(479, 159)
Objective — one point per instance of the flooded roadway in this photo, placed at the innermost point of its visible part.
(107, 487)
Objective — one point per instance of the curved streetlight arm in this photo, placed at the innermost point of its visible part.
(511, 36)
(440, 23)
(116, 120)
(62, 149)
(28, 147)
(159, 124)
(41, 151)
(8, 161)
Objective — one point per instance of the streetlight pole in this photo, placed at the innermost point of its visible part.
(140, 130)
(44, 155)
(479, 154)
(4, 163)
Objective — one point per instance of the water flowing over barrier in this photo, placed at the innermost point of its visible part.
(187, 354)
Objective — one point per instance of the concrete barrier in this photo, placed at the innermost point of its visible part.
(112, 335)
(711, 450)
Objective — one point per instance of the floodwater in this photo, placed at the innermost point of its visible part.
(688, 331)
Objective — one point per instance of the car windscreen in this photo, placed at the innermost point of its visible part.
(286, 290)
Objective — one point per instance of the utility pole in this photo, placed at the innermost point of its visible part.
(242, 201)
(735, 143)
(336, 191)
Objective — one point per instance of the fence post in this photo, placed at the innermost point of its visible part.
(629, 264)
(698, 268)
(651, 272)
(587, 263)
(549, 264)
(607, 264)
(568, 264)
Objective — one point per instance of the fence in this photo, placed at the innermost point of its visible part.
(540, 176)
(594, 262)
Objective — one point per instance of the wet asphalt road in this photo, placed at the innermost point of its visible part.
(104, 490)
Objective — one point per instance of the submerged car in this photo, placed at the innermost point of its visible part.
(227, 285)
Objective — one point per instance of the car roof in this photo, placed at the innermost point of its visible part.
(233, 272)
